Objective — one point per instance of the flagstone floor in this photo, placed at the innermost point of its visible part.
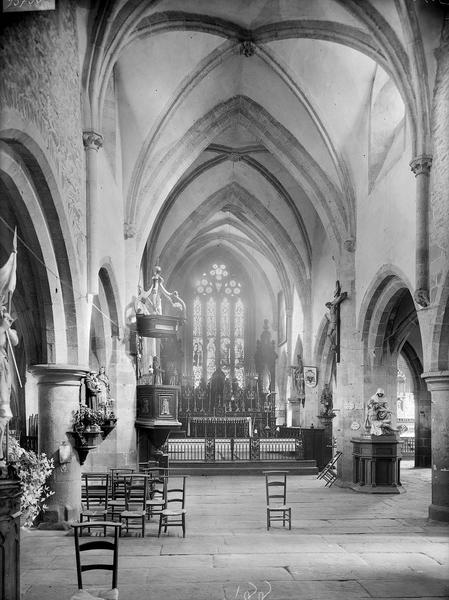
(343, 545)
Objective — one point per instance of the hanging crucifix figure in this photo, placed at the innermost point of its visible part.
(333, 329)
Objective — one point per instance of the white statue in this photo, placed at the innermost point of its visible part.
(378, 418)
(150, 302)
(8, 338)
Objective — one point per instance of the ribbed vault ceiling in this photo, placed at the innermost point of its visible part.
(245, 123)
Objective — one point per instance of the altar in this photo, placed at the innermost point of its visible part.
(219, 427)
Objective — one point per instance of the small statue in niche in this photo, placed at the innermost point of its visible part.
(378, 418)
(298, 379)
(157, 371)
(172, 374)
(104, 391)
(92, 390)
(327, 401)
(165, 409)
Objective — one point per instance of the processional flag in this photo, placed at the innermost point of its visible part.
(8, 273)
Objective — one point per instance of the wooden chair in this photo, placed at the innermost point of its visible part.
(116, 502)
(276, 493)
(174, 512)
(156, 491)
(97, 544)
(95, 491)
(135, 500)
(329, 473)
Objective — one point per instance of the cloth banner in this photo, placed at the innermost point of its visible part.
(8, 273)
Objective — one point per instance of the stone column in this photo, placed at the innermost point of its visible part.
(92, 143)
(438, 384)
(58, 397)
(439, 213)
(348, 398)
(421, 168)
(423, 428)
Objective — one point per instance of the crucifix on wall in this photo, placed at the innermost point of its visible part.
(333, 316)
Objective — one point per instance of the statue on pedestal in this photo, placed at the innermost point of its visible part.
(378, 418)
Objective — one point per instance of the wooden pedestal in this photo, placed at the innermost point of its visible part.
(157, 415)
(157, 406)
(376, 464)
(10, 493)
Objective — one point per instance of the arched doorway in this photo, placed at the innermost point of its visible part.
(43, 303)
(393, 360)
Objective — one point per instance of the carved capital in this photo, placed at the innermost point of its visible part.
(235, 157)
(92, 140)
(247, 48)
(349, 244)
(421, 165)
(421, 297)
(129, 230)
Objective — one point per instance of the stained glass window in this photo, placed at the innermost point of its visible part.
(218, 325)
(197, 362)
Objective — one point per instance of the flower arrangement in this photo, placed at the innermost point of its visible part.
(33, 471)
(86, 418)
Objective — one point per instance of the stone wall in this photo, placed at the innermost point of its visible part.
(439, 243)
(40, 80)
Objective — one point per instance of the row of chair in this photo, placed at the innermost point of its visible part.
(127, 496)
(133, 495)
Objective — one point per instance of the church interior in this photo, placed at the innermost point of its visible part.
(234, 218)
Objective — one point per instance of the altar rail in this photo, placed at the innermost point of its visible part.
(234, 449)
(407, 447)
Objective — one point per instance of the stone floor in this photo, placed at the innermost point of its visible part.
(343, 545)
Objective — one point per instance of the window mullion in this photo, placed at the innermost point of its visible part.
(204, 336)
(232, 339)
(218, 333)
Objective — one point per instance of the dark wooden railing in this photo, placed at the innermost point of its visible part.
(234, 449)
(407, 447)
